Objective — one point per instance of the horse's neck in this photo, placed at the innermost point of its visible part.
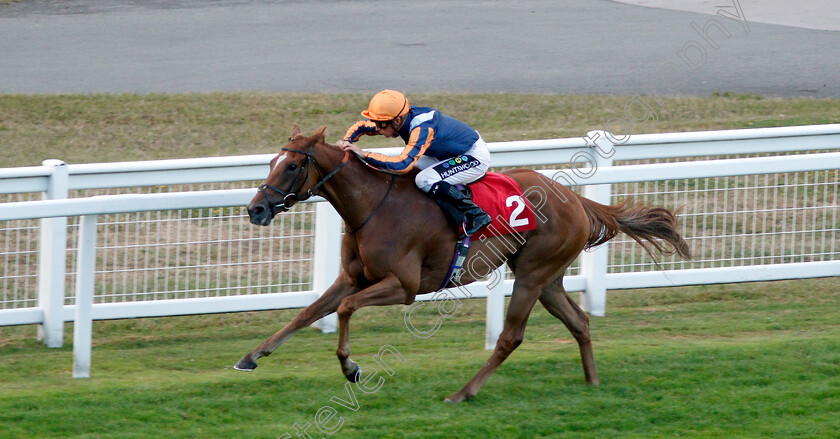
(355, 190)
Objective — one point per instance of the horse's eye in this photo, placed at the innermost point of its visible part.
(292, 167)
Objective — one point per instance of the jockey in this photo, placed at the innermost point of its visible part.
(447, 151)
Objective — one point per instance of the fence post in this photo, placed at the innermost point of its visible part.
(495, 319)
(52, 259)
(83, 323)
(593, 263)
(327, 258)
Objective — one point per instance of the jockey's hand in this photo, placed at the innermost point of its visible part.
(347, 146)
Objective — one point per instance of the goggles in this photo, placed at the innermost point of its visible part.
(382, 124)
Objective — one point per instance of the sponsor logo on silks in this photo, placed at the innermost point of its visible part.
(459, 160)
(456, 165)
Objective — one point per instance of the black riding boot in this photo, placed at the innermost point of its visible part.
(459, 208)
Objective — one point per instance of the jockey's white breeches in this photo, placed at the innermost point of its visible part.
(462, 169)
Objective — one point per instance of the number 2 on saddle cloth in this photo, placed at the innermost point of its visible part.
(502, 198)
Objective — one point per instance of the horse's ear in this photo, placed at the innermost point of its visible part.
(295, 132)
(319, 134)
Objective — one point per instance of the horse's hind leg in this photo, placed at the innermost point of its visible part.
(555, 299)
(522, 301)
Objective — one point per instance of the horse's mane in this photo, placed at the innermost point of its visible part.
(335, 147)
(332, 146)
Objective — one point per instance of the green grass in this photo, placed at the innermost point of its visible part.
(745, 361)
(755, 360)
(103, 128)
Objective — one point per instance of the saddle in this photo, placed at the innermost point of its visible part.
(510, 212)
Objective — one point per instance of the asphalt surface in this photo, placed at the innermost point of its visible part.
(808, 14)
(539, 46)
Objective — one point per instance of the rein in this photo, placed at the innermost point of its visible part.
(291, 196)
(375, 209)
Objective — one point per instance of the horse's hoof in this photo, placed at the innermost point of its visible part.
(245, 364)
(457, 398)
(354, 374)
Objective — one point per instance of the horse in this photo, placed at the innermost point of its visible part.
(398, 244)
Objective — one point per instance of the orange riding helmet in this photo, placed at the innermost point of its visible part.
(386, 105)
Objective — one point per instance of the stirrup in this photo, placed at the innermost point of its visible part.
(463, 230)
(473, 224)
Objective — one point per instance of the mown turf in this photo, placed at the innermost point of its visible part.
(104, 128)
(740, 361)
(748, 361)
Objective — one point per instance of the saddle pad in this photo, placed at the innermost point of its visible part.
(501, 197)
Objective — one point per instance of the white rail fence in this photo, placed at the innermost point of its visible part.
(770, 213)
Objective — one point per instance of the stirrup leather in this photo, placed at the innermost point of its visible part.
(459, 208)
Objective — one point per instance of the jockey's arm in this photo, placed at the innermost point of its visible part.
(418, 142)
(362, 127)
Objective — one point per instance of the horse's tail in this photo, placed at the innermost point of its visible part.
(642, 223)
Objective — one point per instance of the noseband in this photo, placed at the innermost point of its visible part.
(292, 195)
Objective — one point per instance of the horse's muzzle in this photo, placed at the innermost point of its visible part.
(260, 214)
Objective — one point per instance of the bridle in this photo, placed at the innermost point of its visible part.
(292, 195)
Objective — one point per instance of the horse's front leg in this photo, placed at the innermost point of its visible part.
(326, 304)
(388, 291)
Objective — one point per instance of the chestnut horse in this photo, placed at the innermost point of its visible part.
(398, 244)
